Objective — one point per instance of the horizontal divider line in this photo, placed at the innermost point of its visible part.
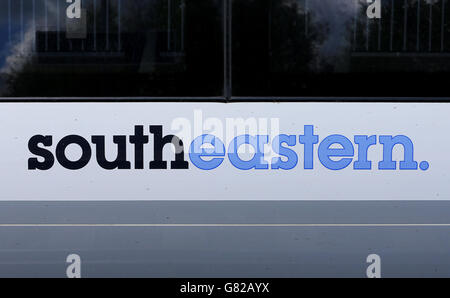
(232, 99)
(233, 225)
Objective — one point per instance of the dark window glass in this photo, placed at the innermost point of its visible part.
(111, 48)
(332, 48)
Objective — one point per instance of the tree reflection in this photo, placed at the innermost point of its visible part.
(155, 48)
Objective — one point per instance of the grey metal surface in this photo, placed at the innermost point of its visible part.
(225, 251)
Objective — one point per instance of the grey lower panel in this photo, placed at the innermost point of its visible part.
(225, 251)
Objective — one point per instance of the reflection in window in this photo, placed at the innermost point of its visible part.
(111, 48)
(331, 48)
(414, 32)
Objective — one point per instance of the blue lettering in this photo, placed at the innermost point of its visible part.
(364, 142)
(257, 142)
(197, 152)
(292, 158)
(309, 139)
(389, 143)
(325, 152)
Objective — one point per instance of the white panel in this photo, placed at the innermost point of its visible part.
(427, 125)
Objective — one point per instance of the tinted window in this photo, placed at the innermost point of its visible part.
(332, 48)
(160, 48)
(111, 48)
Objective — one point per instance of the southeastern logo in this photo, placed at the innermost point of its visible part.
(208, 152)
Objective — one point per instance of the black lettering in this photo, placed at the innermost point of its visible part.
(159, 143)
(61, 152)
(121, 160)
(138, 139)
(33, 146)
